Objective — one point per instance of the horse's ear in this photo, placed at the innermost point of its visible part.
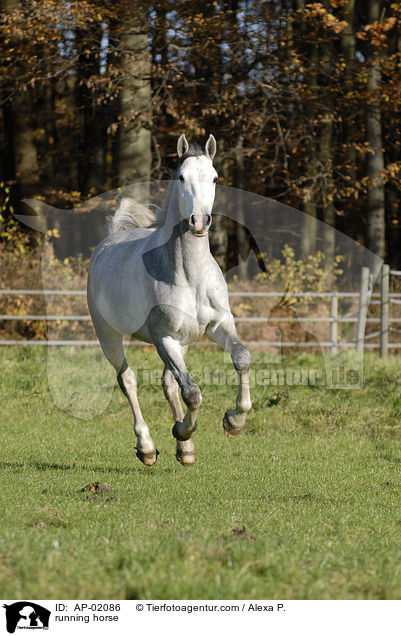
(182, 146)
(211, 147)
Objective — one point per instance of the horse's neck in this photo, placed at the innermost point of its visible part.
(187, 255)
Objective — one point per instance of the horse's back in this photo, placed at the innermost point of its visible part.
(115, 243)
(116, 280)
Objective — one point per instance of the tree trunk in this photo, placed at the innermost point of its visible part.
(348, 49)
(219, 227)
(91, 118)
(242, 241)
(329, 212)
(21, 164)
(375, 158)
(326, 161)
(348, 34)
(50, 128)
(25, 153)
(134, 151)
(20, 132)
(309, 230)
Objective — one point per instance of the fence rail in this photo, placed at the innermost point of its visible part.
(365, 297)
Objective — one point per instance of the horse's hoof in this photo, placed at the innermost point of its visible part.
(186, 459)
(147, 458)
(229, 429)
(175, 432)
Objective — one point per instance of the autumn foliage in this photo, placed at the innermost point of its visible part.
(303, 97)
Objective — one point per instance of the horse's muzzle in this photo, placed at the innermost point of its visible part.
(199, 224)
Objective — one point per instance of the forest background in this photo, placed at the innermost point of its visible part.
(303, 98)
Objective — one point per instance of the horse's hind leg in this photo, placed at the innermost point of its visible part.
(171, 353)
(185, 450)
(145, 450)
(112, 344)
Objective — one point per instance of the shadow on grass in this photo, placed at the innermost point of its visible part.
(84, 467)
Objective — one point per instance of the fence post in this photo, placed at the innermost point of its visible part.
(333, 323)
(363, 309)
(384, 309)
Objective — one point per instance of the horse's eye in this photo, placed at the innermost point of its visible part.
(181, 178)
(215, 179)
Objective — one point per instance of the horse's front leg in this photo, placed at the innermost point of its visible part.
(226, 336)
(185, 450)
(170, 352)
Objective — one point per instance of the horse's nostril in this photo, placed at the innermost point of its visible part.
(208, 219)
(192, 219)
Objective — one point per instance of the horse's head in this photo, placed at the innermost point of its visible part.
(196, 184)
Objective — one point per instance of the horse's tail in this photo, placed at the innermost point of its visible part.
(131, 214)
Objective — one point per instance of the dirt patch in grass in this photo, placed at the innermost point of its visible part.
(47, 518)
(97, 492)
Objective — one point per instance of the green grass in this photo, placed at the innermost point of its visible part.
(314, 480)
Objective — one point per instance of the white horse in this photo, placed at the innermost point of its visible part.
(154, 278)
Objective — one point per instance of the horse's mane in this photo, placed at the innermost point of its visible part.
(131, 214)
(194, 150)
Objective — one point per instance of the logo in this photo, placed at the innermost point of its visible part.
(26, 615)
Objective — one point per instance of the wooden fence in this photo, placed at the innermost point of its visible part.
(365, 296)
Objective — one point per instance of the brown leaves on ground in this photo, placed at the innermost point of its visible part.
(97, 492)
(240, 533)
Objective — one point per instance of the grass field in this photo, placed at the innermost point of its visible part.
(304, 504)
